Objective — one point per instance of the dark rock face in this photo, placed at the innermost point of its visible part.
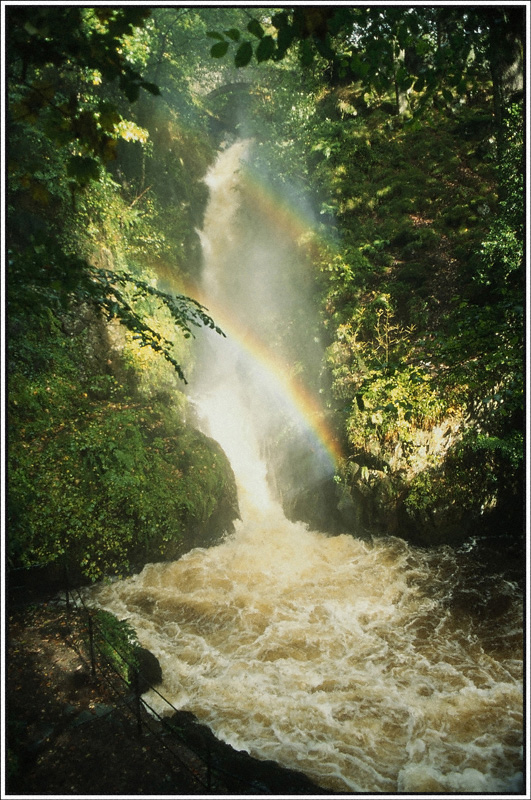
(323, 508)
(238, 771)
(412, 487)
(149, 670)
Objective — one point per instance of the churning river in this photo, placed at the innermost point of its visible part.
(372, 667)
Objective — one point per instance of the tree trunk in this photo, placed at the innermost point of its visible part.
(506, 63)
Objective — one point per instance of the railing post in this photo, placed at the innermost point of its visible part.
(91, 644)
(209, 767)
(67, 587)
(138, 701)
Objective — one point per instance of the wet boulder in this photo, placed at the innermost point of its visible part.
(149, 670)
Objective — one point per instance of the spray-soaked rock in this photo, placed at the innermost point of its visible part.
(236, 769)
(149, 670)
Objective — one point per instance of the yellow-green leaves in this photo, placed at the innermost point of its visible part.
(131, 132)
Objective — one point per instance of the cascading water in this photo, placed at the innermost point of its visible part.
(370, 667)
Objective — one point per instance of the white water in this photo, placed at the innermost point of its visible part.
(349, 661)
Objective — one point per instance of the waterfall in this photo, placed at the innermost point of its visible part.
(222, 385)
(371, 667)
(237, 394)
(244, 390)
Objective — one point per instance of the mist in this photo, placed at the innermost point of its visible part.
(256, 281)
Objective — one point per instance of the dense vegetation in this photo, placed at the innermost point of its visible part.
(405, 129)
(104, 472)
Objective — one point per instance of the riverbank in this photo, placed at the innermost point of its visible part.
(66, 735)
(69, 734)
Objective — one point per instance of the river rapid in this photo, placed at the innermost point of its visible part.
(336, 657)
(371, 666)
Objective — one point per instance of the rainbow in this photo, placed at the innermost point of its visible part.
(271, 205)
(302, 228)
(300, 225)
(299, 397)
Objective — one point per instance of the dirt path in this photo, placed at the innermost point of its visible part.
(70, 733)
(67, 732)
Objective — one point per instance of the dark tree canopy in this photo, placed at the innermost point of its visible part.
(70, 84)
(433, 51)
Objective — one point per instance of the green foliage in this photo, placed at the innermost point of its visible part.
(44, 277)
(115, 303)
(97, 475)
(46, 267)
(482, 349)
(479, 472)
(385, 392)
(115, 640)
(481, 341)
(391, 405)
(426, 318)
(49, 46)
(502, 254)
(244, 51)
(419, 249)
(412, 56)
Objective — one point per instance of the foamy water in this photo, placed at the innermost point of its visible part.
(336, 657)
(354, 662)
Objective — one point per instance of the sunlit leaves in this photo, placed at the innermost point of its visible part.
(45, 277)
(395, 384)
(88, 126)
(391, 51)
(131, 132)
(88, 44)
(103, 478)
(116, 293)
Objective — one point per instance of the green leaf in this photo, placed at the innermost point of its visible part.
(285, 38)
(403, 36)
(448, 96)
(265, 49)
(216, 35)
(306, 54)
(83, 169)
(401, 75)
(151, 87)
(255, 28)
(358, 67)
(234, 34)
(280, 20)
(218, 50)
(244, 54)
